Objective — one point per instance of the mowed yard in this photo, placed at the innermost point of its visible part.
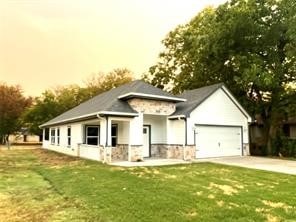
(38, 185)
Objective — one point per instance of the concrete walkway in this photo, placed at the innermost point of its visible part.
(149, 162)
(261, 163)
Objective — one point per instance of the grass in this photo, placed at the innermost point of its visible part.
(37, 185)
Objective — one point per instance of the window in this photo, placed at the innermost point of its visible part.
(92, 135)
(69, 136)
(114, 133)
(58, 136)
(52, 136)
(46, 132)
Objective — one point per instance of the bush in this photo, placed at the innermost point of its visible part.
(285, 146)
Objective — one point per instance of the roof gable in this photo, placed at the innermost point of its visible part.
(196, 97)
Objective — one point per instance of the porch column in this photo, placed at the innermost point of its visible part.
(108, 132)
(135, 151)
(105, 139)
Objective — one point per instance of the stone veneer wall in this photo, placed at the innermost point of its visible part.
(152, 106)
(173, 151)
(102, 153)
(246, 149)
(120, 152)
(136, 153)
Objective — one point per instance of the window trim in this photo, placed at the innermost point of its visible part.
(114, 125)
(86, 136)
(69, 140)
(52, 136)
(58, 135)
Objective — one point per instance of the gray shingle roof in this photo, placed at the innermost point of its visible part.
(194, 98)
(108, 101)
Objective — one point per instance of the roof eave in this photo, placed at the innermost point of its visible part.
(150, 96)
(88, 116)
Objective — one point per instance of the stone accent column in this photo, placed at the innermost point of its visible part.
(107, 155)
(246, 149)
(120, 152)
(135, 153)
(189, 152)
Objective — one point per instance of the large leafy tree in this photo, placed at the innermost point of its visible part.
(250, 45)
(12, 105)
(60, 99)
(52, 103)
(102, 82)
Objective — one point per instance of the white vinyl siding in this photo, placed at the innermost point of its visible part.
(218, 109)
(176, 131)
(158, 128)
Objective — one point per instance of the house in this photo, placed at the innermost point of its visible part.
(23, 136)
(138, 120)
(257, 142)
(289, 128)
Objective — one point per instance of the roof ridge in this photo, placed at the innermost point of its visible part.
(203, 87)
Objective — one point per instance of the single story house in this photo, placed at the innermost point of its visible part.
(137, 121)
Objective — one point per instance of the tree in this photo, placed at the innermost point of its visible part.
(12, 105)
(60, 99)
(250, 45)
(101, 82)
(52, 103)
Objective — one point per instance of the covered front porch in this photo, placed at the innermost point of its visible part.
(135, 139)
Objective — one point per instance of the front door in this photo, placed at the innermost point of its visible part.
(146, 141)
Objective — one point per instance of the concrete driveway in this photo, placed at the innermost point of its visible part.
(261, 163)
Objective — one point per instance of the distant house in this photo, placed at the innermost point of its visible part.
(289, 128)
(257, 142)
(137, 121)
(24, 137)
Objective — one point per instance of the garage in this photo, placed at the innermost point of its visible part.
(218, 141)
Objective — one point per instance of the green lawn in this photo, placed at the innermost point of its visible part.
(38, 185)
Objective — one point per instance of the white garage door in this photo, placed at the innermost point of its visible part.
(218, 141)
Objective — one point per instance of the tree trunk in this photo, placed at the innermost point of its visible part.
(271, 135)
(7, 141)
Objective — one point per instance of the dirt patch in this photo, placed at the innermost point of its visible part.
(272, 218)
(15, 210)
(227, 190)
(220, 203)
(21, 147)
(191, 213)
(211, 196)
(198, 193)
(54, 159)
(277, 205)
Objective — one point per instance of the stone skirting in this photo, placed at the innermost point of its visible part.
(147, 106)
(246, 149)
(136, 153)
(173, 151)
(120, 152)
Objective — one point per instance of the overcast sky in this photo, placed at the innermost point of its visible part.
(44, 43)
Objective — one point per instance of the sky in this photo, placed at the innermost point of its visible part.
(45, 43)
